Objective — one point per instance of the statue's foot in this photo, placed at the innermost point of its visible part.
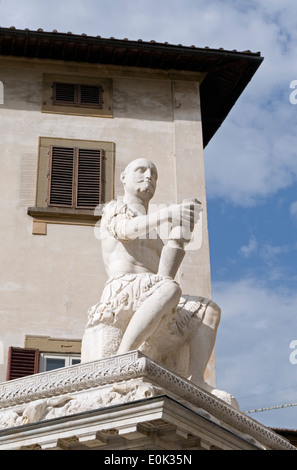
(225, 396)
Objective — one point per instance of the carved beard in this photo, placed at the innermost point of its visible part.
(146, 188)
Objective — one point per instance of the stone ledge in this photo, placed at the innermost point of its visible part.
(114, 381)
(158, 423)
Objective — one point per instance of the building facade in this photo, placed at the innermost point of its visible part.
(74, 111)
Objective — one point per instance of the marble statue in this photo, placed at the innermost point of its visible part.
(142, 306)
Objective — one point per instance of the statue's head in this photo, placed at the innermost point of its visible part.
(140, 178)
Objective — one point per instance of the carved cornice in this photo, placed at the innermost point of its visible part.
(72, 379)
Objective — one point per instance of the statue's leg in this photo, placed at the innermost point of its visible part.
(148, 316)
(201, 346)
(202, 342)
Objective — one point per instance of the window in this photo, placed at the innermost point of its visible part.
(40, 354)
(52, 361)
(69, 94)
(74, 176)
(78, 95)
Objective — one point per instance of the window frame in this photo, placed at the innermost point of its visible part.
(75, 178)
(42, 213)
(50, 105)
(43, 356)
(77, 101)
(25, 361)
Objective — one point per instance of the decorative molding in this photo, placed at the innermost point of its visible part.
(83, 376)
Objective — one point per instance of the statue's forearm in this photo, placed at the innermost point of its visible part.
(171, 259)
(141, 225)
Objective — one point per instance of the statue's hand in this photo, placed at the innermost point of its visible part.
(185, 214)
(184, 218)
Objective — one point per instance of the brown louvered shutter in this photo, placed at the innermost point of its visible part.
(65, 94)
(61, 176)
(90, 95)
(69, 94)
(22, 362)
(75, 177)
(89, 177)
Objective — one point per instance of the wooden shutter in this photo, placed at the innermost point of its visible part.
(61, 176)
(69, 94)
(75, 177)
(90, 95)
(65, 94)
(89, 177)
(22, 362)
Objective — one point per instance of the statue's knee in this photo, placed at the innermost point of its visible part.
(173, 291)
(213, 314)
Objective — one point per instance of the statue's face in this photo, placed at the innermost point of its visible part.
(140, 178)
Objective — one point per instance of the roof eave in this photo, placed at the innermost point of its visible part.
(227, 72)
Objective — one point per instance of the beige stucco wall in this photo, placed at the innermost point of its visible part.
(48, 282)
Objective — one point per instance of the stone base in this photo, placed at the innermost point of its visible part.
(123, 402)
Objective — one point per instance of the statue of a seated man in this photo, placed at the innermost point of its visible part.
(142, 306)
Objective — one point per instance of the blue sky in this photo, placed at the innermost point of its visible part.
(251, 175)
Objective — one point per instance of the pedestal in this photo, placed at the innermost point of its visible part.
(123, 402)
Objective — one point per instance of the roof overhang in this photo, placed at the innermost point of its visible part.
(227, 72)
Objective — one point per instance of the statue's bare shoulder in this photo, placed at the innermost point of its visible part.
(120, 254)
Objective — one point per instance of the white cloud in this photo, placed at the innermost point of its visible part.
(293, 211)
(253, 344)
(249, 249)
(269, 253)
(258, 137)
(244, 298)
(268, 261)
(259, 154)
